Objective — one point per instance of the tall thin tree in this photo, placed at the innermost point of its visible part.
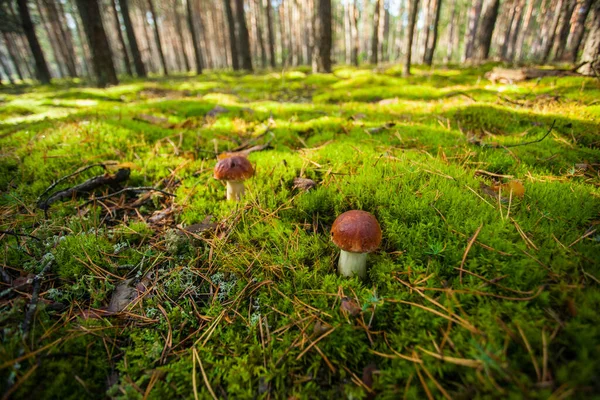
(432, 42)
(474, 14)
(102, 60)
(41, 68)
(486, 29)
(138, 64)
(126, 62)
(375, 36)
(232, 40)
(179, 31)
(590, 57)
(269, 13)
(580, 14)
(243, 37)
(195, 42)
(412, 19)
(157, 38)
(321, 60)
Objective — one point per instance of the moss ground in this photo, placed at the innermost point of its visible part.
(471, 295)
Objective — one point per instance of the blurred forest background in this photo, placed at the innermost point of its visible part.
(103, 39)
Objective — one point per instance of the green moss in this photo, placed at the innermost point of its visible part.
(246, 295)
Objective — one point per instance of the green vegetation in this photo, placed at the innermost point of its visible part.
(475, 292)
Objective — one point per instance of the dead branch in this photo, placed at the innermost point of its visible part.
(129, 189)
(91, 184)
(64, 178)
(37, 283)
(533, 141)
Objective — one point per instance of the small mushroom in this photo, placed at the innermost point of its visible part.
(234, 171)
(356, 233)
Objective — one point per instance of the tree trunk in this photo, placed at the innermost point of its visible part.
(232, 40)
(94, 30)
(14, 58)
(6, 70)
(161, 54)
(126, 62)
(354, 30)
(474, 14)
(67, 36)
(412, 19)
(591, 50)
(515, 30)
(41, 68)
(244, 40)
(60, 65)
(451, 29)
(321, 60)
(509, 24)
(138, 64)
(179, 31)
(196, 45)
(548, 38)
(518, 52)
(486, 30)
(51, 22)
(270, 34)
(259, 33)
(430, 49)
(562, 31)
(375, 37)
(580, 13)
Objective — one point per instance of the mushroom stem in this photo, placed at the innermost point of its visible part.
(351, 264)
(235, 190)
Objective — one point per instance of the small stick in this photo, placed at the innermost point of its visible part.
(533, 141)
(37, 283)
(129, 189)
(64, 178)
(469, 245)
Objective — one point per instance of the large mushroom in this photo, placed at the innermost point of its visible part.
(234, 171)
(356, 233)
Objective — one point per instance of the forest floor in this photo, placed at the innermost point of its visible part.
(486, 284)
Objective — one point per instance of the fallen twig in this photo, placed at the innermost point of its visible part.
(64, 178)
(37, 283)
(129, 189)
(533, 141)
(91, 184)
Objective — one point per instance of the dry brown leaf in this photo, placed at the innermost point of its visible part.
(348, 306)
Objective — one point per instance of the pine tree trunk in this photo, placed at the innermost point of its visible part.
(191, 27)
(138, 64)
(591, 50)
(580, 14)
(180, 36)
(548, 39)
(412, 19)
(51, 22)
(161, 54)
(375, 36)
(321, 60)
(354, 29)
(259, 33)
(14, 58)
(515, 30)
(60, 65)
(243, 38)
(6, 70)
(270, 34)
(471, 35)
(518, 52)
(562, 31)
(67, 36)
(347, 35)
(41, 68)
(126, 63)
(101, 56)
(507, 30)
(425, 31)
(232, 40)
(486, 30)
(450, 35)
(432, 43)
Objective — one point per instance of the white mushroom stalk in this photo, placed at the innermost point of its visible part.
(235, 190)
(353, 264)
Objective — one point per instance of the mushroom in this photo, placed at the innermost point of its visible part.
(234, 170)
(356, 233)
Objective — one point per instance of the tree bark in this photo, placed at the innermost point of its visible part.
(60, 65)
(548, 39)
(474, 14)
(64, 35)
(580, 14)
(138, 64)
(179, 31)
(195, 43)
(486, 30)
(375, 37)
(412, 19)
(432, 43)
(591, 50)
(102, 61)
(41, 68)
(14, 57)
(515, 30)
(451, 29)
(161, 54)
(244, 39)
(232, 40)
(562, 31)
(354, 30)
(518, 52)
(6, 70)
(270, 34)
(126, 62)
(321, 60)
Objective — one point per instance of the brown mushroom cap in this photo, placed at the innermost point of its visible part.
(235, 168)
(356, 231)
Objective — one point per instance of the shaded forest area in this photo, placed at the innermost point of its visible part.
(103, 39)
